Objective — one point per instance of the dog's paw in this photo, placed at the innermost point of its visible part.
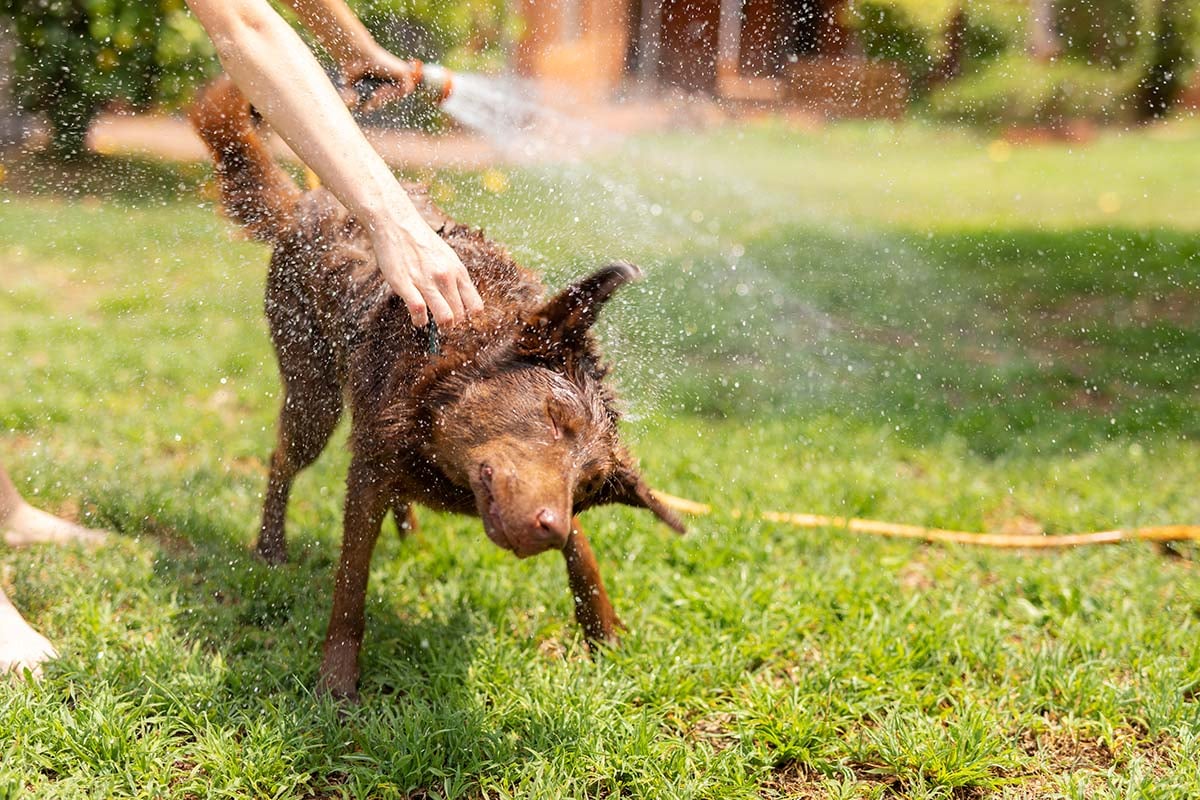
(270, 554)
(339, 674)
(339, 692)
(600, 641)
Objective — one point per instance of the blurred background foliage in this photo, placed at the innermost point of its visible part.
(969, 61)
(1109, 60)
(463, 34)
(75, 57)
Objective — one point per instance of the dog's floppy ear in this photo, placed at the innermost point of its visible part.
(557, 329)
(627, 487)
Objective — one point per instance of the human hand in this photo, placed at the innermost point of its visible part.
(397, 78)
(424, 271)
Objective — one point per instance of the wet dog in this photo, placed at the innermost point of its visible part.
(510, 420)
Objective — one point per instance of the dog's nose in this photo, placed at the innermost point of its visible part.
(551, 523)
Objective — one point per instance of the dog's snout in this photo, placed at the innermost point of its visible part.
(552, 524)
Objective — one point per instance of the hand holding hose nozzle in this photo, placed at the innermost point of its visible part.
(369, 87)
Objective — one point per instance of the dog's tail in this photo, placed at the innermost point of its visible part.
(254, 189)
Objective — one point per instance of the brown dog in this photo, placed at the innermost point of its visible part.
(511, 420)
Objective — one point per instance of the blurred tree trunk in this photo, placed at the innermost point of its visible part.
(950, 65)
(1043, 35)
(1162, 82)
(14, 125)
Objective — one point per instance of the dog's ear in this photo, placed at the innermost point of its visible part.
(557, 329)
(627, 487)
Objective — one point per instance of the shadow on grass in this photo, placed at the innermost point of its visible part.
(1008, 338)
(421, 726)
(126, 179)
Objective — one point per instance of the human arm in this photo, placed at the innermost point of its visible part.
(356, 52)
(278, 74)
(349, 42)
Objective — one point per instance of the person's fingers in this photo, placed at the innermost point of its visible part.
(413, 300)
(447, 285)
(438, 307)
(385, 94)
(471, 300)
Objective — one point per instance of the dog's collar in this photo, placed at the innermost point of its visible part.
(434, 345)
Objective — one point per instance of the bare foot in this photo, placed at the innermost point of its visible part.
(21, 647)
(27, 525)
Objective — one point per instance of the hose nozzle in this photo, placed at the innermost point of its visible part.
(435, 79)
(368, 93)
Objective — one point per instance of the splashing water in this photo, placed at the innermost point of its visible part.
(504, 111)
(624, 200)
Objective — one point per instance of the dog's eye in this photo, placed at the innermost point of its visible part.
(589, 486)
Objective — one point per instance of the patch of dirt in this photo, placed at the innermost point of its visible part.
(917, 574)
(1059, 753)
(910, 471)
(332, 781)
(552, 649)
(168, 537)
(1066, 752)
(1007, 519)
(184, 766)
(915, 577)
(1179, 307)
(225, 404)
(795, 782)
(715, 729)
(782, 675)
(248, 466)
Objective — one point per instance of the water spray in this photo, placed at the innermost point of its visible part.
(502, 110)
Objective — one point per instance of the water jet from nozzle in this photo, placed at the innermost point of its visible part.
(502, 110)
(434, 79)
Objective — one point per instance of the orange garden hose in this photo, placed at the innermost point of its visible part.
(1160, 533)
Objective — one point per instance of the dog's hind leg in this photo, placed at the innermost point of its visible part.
(310, 413)
(593, 610)
(312, 405)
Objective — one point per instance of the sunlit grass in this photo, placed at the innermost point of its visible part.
(900, 339)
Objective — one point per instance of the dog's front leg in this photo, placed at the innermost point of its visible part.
(366, 503)
(593, 611)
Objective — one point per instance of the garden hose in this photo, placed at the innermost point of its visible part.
(1160, 534)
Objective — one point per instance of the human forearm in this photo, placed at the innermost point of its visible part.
(356, 52)
(336, 28)
(277, 73)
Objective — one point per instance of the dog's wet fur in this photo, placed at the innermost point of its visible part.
(510, 420)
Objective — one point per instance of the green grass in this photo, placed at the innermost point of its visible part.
(866, 320)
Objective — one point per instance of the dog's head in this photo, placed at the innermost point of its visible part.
(534, 432)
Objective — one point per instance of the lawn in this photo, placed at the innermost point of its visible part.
(902, 323)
